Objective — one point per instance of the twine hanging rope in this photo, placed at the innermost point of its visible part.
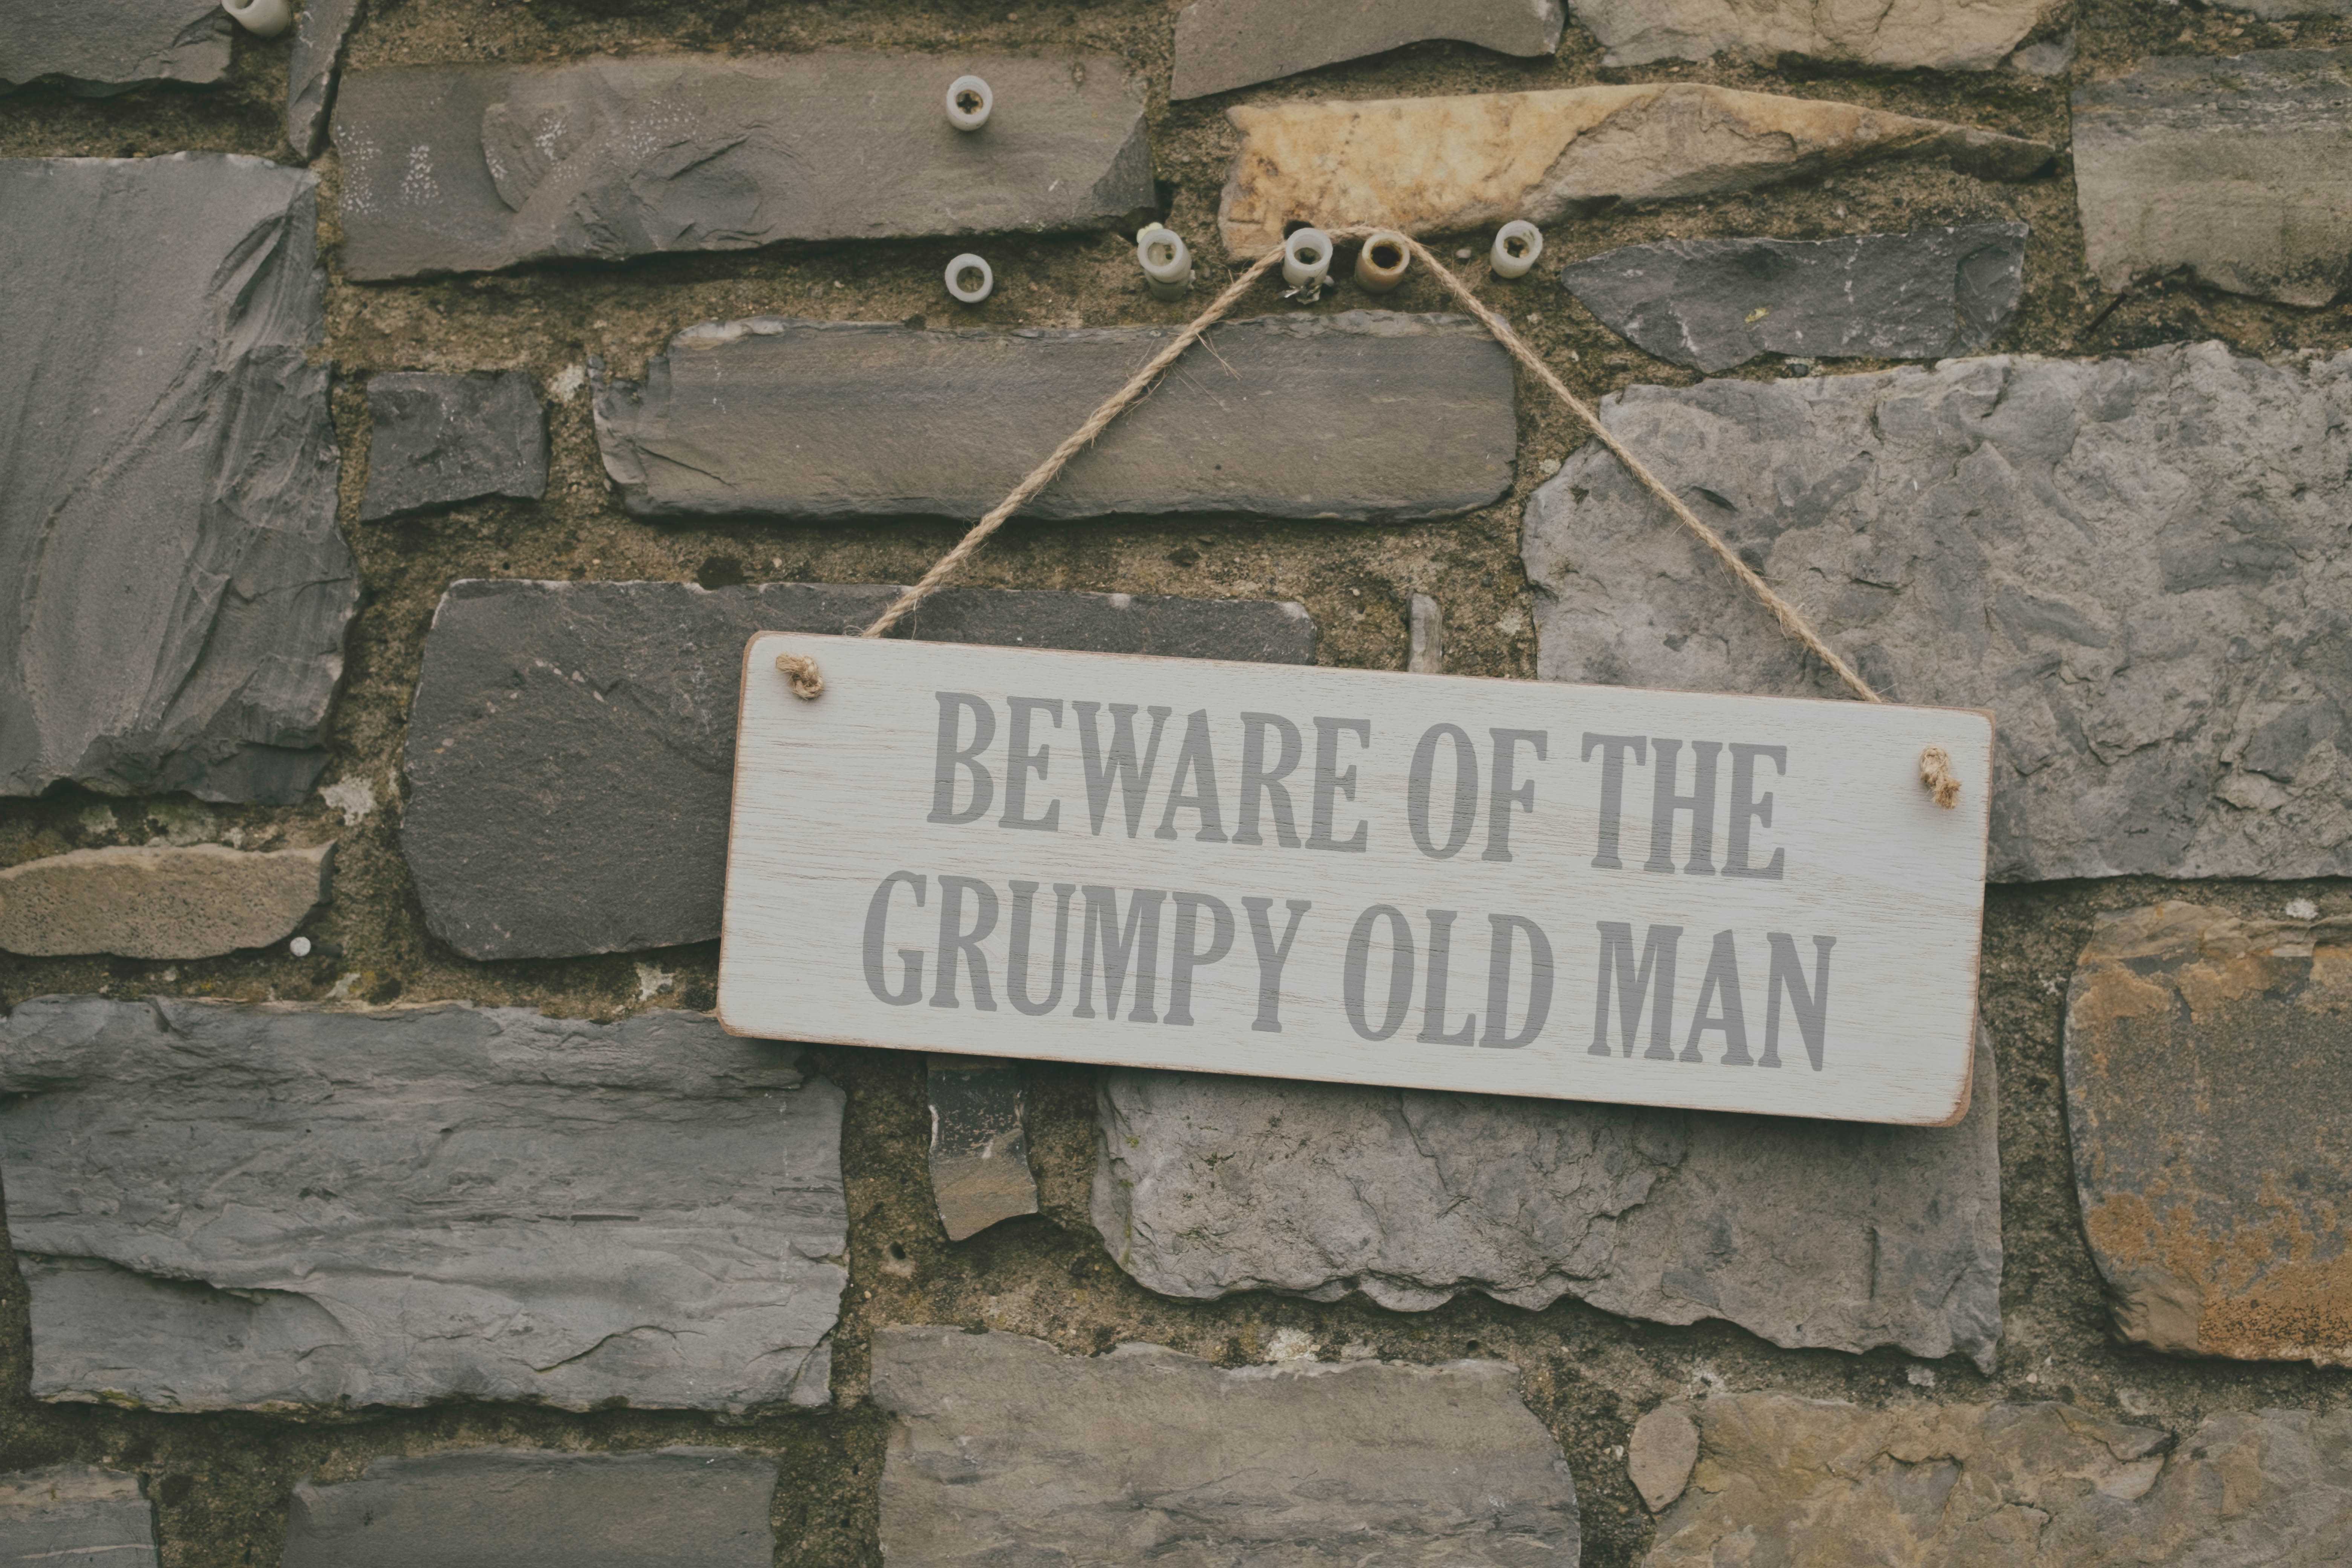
(807, 681)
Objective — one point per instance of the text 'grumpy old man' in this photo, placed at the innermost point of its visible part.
(1524, 888)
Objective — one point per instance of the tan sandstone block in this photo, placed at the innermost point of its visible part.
(2208, 1063)
(1437, 165)
(195, 903)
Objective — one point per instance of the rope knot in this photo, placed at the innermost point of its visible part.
(1935, 773)
(801, 672)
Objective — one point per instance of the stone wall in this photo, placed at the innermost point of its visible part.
(382, 550)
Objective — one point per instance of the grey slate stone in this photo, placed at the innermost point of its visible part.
(522, 1508)
(312, 65)
(172, 471)
(1225, 44)
(2008, 1485)
(1370, 415)
(980, 1148)
(1809, 1234)
(1003, 1450)
(571, 746)
(464, 168)
(248, 1208)
(441, 439)
(2208, 1060)
(1893, 33)
(2134, 562)
(2234, 168)
(99, 1518)
(100, 47)
(1715, 303)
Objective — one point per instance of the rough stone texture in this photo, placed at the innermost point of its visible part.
(2134, 562)
(1225, 44)
(99, 48)
(1440, 164)
(2235, 169)
(520, 1508)
(171, 469)
(312, 65)
(2209, 1061)
(439, 439)
(1808, 1234)
(98, 1517)
(1659, 1456)
(237, 1207)
(2040, 1485)
(1370, 415)
(1715, 303)
(570, 751)
(464, 168)
(1974, 35)
(980, 1151)
(2277, 10)
(161, 902)
(1003, 1450)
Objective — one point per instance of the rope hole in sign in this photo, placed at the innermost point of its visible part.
(807, 682)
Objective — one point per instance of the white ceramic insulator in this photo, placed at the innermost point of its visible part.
(262, 18)
(1517, 245)
(1381, 264)
(1167, 264)
(1306, 259)
(968, 116)
(972, 294)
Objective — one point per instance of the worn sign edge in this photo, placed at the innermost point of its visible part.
(1961, 1106)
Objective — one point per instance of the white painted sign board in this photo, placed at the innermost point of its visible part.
(1734, 903)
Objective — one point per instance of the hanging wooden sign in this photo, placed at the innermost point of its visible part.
(1586, 892)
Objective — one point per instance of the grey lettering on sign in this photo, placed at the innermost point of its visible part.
(2157, 624)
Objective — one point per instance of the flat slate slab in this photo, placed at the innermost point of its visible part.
(1809, 1234)
(256, 1208)
(2232, 168)
(98, 1519)
(980, 1148)
(1225, 44)
(1904, 33)
(2133, 562)
(170, 439)
(436, 440)
(1715, 303)
(2209, 1061)
(1005, 1450)
(160, 902)
(2000, 1485)
(464, 168)
(100, 47)
(1366, 416)
(313, 65)
(571, 750)
(1444, 164)
(522, 1508)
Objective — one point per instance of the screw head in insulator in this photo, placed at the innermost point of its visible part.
(970, 278)
(969, 103)
(1517, 245)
